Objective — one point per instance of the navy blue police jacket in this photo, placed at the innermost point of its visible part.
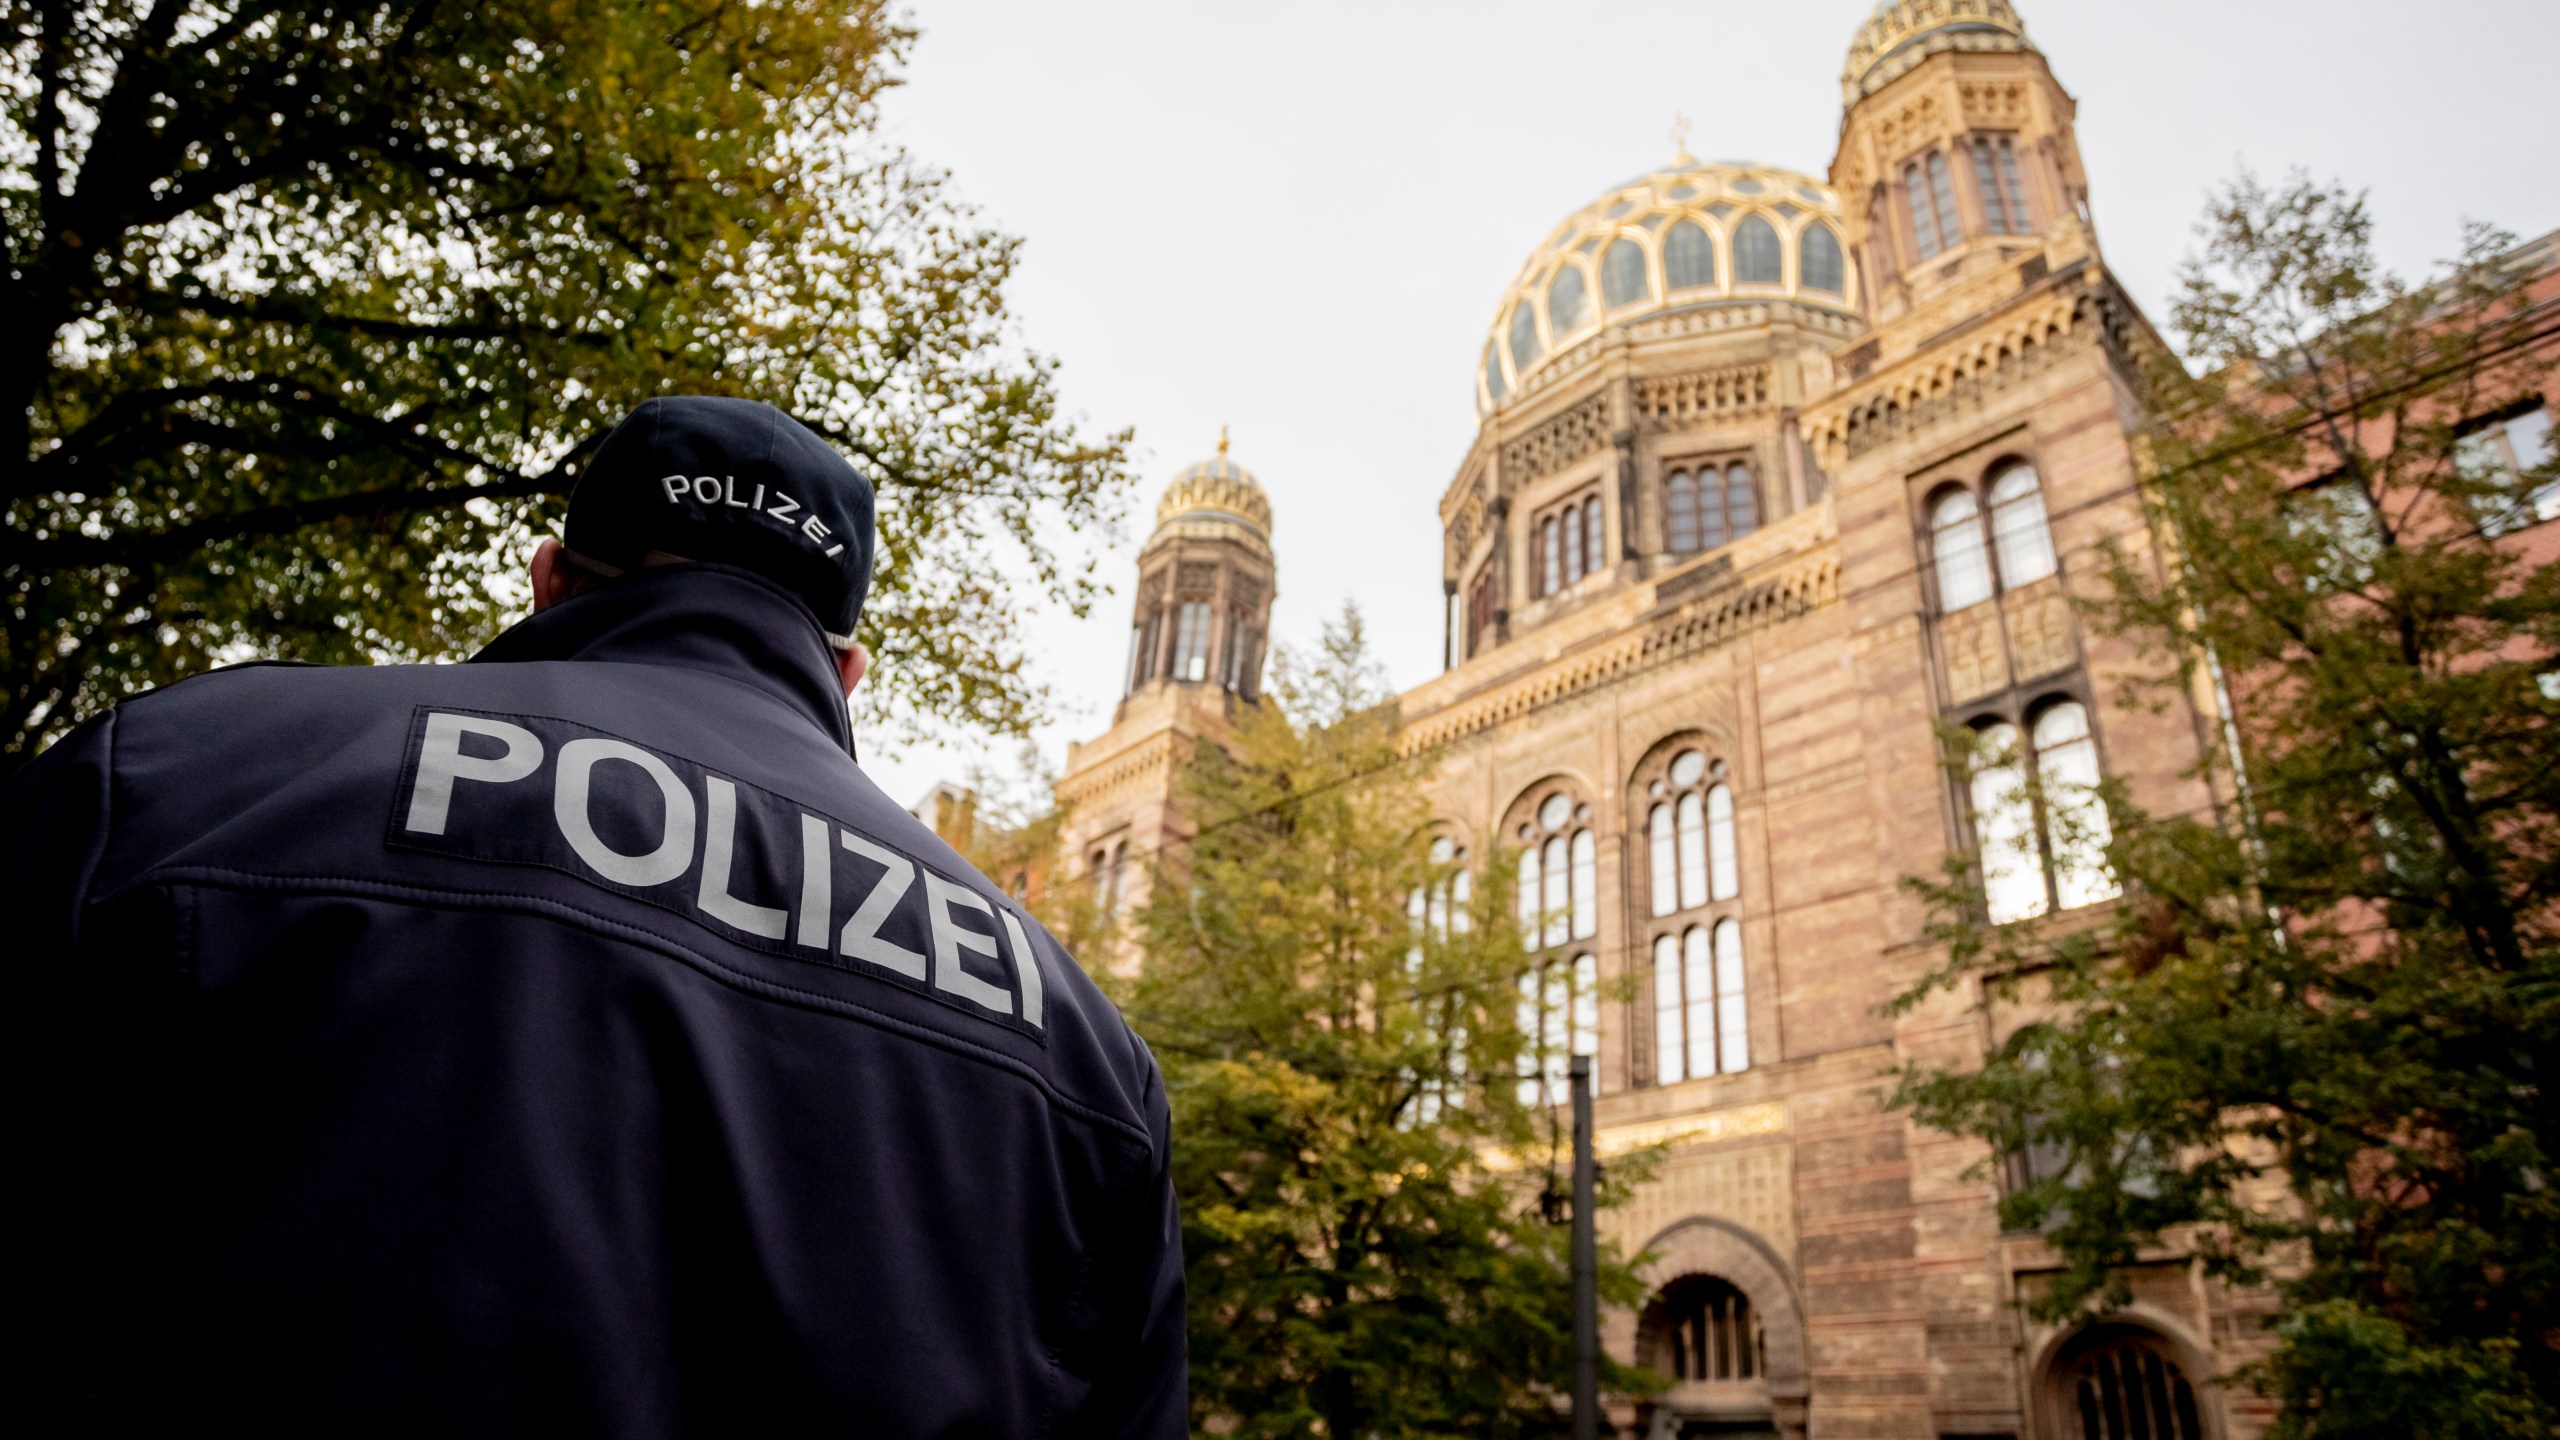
(569, 1042)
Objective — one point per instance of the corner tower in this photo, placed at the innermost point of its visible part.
(1198, 634)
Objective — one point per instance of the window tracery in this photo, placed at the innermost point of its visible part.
(1566, 545)
(1715, 505)
(1568, 302)
(1558, 904)
(1701, 1018)
(1995, 177)
(2020, 538)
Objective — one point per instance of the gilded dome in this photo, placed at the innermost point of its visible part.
(1692, 234)
(1213, 495)
(1902, 33)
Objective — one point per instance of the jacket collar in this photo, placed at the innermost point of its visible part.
(716, 618)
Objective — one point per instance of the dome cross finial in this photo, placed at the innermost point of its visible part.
(1222, 441)
(1680, 140)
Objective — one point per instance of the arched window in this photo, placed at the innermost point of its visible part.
(1756, 255)
(1723, 866)
(1680, 512)
(1741, 500)
(1688, 257)
(1701, 1328)
(1712, 530)
(1818, 262)
(2042, 847)
(1551, 558)
(2076, 831)
(1664, 852)
(2004, 826)
(2127, 1388)
(1559, 873)
(1591, 534)
(2019, 536)
(1701, 1020)
(1110, 865)
(1569, 539)
(1622, 277)
(1524, 338)
(1568, 302)
(1494, 389)
(1955, 542)
(1689, 832)
(1692, 812)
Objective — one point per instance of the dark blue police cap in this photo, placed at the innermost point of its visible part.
(733, 481)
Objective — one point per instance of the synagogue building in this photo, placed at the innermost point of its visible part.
(1778, 474)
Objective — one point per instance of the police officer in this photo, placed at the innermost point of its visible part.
(573, 1041)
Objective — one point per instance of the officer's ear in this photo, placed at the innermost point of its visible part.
(553, 582)
(852, 662)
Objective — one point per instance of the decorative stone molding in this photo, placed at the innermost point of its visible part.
(1696, 397)
(1970, 641)
(1897, 37)
(1711, 620)
(1557, 443)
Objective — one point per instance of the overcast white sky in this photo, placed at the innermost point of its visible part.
(1296, 219)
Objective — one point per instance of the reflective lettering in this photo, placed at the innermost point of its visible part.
(817, 882)
(719, 848)
(784, 507)
(1026, 966)
(816, 529)
(578, 760)
(731, 496)
(711, 496)
(441, 762)
(949, 940)
(862, 939)
(675, 486)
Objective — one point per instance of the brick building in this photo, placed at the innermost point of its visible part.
(1776, 475)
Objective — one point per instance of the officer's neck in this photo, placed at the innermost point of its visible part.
(699, 617)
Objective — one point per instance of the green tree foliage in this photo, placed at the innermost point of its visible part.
(1339, 1072)
(315, 307)
(2317, 1043)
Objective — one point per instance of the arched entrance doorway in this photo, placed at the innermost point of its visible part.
(1722, 1325)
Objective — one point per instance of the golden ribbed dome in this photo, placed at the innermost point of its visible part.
(1216, 494)
(1694, 234)
(1902, 33)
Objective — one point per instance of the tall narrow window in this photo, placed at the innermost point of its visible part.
(1191, 641)
(1741, 500)
(1942, 191)
(1137, 658)
(1568, 303)
(1622, 277)
(2019, 535)
(1818, 262)
(1664, 853)
(1712, 530)
(1670, 1049)
(2004, 827)
(1756, 253)
(1924, 222)
(2076, 831)
(1550, 558)
(1531, 891)
(1693, 851)
(1569, 537)
(1723, 868)
(1680, 512)
(1494, 389)
(1698, 983)
(1688, 257)
(1955, 542)
(1524, 339)
(1995, 176)
(1591, 535)
(1733, 1027)
(1557, 898)
(1586, 886)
